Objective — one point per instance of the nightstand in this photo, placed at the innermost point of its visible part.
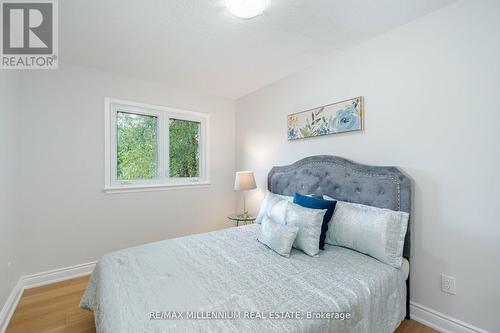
(240, 218)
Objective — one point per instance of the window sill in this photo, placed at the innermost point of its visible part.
(156, 187)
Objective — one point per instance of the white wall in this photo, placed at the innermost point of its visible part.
(8, 227)
(64, 216)
(432, 108)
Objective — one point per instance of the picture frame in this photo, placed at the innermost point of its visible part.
(335, 118)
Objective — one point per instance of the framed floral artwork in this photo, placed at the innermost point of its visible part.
(340, 117)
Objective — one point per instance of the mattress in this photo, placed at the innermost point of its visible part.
(226, 281)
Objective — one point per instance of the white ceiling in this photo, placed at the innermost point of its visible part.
(199, 45)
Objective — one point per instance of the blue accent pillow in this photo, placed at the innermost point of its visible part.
(316, 203)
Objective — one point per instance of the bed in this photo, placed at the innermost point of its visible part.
(226, 281)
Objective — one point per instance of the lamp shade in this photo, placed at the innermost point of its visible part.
(244, 180)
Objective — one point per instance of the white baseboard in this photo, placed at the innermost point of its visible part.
(37, 280)
(439, 321)
(10, 305)
(57, 275)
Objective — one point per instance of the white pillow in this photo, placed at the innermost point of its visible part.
(270, 207)
(326, 197)
(278, 237)
(309, 222)
(378, 232)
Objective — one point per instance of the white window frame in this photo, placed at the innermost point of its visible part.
(164, 182)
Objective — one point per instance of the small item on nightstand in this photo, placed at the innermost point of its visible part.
(242, 218)
(244, 181)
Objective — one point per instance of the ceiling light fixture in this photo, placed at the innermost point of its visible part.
(246, 8)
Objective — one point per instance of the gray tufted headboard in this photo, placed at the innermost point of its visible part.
(383, 187)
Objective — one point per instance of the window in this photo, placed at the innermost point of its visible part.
(154, 147)
(136, 146)
(184, 153)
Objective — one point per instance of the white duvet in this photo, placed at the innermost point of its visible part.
(229, 271)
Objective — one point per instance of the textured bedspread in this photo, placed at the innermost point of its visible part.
(231, 272)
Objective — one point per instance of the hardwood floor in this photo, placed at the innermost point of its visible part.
(412, 326)
(54, 309)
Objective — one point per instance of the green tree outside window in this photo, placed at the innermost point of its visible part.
(184, 152)
(137, 146)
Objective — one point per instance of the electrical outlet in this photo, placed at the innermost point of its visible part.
(448, 284)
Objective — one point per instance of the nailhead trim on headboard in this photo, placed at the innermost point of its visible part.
(394, 180)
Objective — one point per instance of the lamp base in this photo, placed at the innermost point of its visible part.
(244, 215)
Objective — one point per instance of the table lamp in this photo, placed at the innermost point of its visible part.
(244, 181)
